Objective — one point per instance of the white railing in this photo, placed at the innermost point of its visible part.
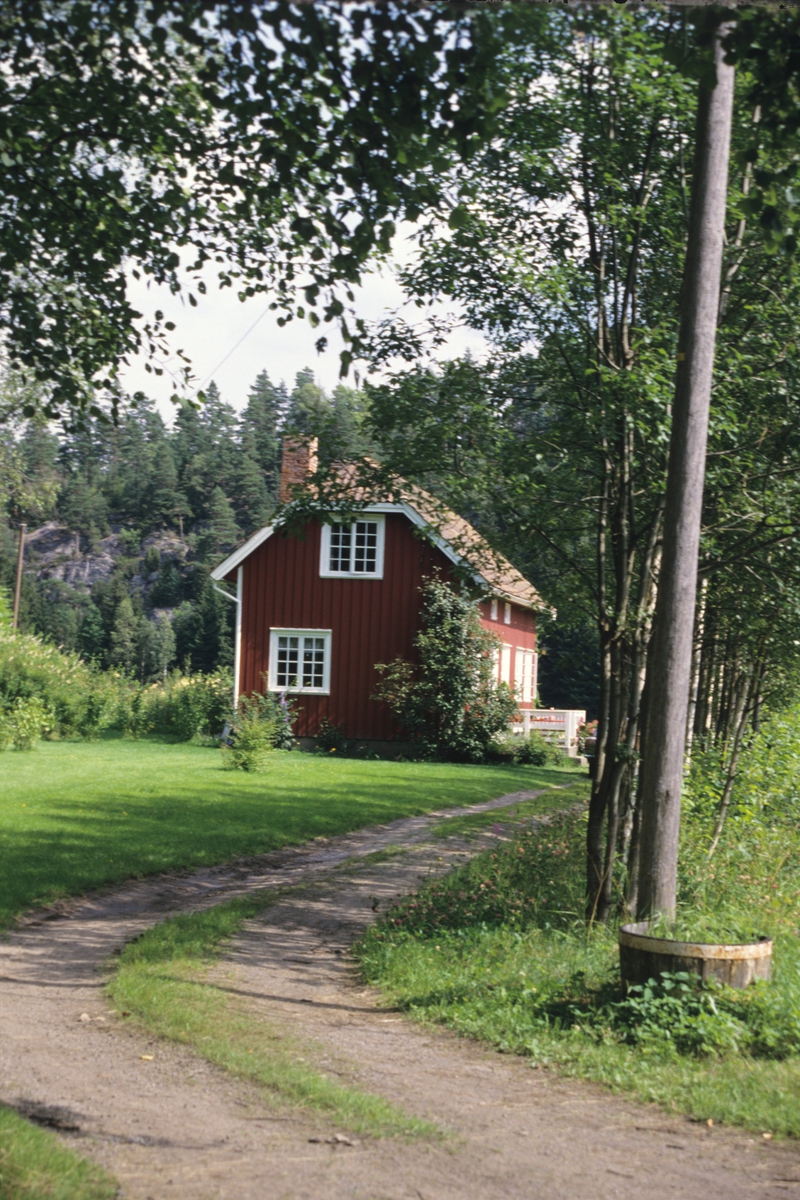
(558, 725)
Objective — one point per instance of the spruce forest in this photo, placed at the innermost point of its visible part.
(125, 519)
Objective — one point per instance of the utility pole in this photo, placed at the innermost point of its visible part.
(670, 669)
(18, 584)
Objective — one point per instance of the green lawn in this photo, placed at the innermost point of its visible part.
(79, 815)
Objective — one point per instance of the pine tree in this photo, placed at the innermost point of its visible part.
(309, 408)
(222, 533)
(163, 487)
(252, 499)
(124, 636)
(260, 424)
(218, 421)
(92, 636)
(83, 508)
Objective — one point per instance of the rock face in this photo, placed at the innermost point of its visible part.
(54, 551)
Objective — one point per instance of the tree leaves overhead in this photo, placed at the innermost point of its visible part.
(276, 144)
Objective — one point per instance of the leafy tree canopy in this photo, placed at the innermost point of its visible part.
(276, 142)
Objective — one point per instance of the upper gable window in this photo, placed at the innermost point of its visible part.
(353, 551)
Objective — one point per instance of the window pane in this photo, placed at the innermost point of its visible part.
(313, 662)
(286, 674)
(366, 547)
(341, 539)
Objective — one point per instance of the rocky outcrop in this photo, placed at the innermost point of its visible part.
(54, 551)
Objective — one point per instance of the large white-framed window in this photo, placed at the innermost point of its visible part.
(525, 675)
(300, 661)
(505, 663)
(353, 550)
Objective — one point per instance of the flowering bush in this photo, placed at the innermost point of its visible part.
(78, 698)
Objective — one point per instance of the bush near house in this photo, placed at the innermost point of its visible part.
(449, 703)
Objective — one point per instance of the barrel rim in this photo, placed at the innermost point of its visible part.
(633, 937)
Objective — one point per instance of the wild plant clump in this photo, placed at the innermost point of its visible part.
(449, 703)
(512, 886)
(331, 738)
(75, 698)
(25, 722)
(253, 733)
(536, 751)
(182, 707)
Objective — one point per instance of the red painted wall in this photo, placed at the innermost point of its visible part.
(372, 620)
(519, 634)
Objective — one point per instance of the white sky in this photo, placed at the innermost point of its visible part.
(208, 333)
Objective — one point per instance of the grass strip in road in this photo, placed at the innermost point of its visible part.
(76, 816)
(499, 951)
(162, 981)
(34, 1165)
(548, 801)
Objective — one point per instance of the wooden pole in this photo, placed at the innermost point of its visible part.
(18, 584)
(665, 739)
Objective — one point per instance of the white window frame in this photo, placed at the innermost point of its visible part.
(525, 675)
(493, 609)
(507, 615)
(505, 664)
(325, 550)
(272, 673)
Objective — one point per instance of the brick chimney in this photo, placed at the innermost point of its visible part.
(298, 462)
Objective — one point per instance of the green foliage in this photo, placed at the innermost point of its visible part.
(178, 86)
(77, 698)
(6, 611)
(450, 704)
(672, 1014)
(24, 723)
(183, 707)
(536, 751)
(253, 734)
(330, 737)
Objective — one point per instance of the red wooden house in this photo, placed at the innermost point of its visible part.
(316, 612)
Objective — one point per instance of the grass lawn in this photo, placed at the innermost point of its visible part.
(80, 815)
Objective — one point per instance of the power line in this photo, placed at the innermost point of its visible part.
(233, 349)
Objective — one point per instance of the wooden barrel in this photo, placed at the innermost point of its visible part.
(642, 957)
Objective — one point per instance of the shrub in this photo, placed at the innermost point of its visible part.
(183, 707)
(536, 751)
(79, 698)
(24, 722)
(252, 736)
(330, 737)
(284, 712)
(450, 704)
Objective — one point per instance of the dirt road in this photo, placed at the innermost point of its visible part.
(174, 1127)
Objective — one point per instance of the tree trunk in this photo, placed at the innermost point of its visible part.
(662, 765)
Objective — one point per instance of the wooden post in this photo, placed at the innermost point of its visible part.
(18, 584)
(670, 667)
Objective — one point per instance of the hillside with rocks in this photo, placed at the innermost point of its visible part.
(125, 520)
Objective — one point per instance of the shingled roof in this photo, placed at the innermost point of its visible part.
(361, 486)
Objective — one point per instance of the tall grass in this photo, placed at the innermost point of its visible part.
(500, 951)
